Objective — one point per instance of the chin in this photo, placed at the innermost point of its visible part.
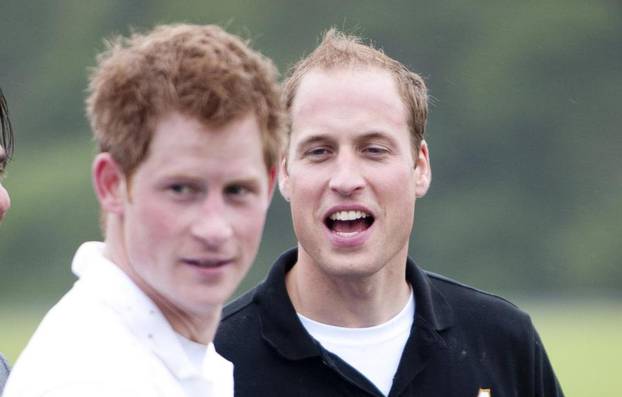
(350, 269)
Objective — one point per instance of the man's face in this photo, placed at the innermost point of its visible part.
(350, 174)
(194, 211)
(5, 200)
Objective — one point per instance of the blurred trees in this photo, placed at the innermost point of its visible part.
(524, 130)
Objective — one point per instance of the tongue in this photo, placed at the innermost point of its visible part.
(349, 226)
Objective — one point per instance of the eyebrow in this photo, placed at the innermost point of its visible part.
(376, 135)
(251, 182)
(248, 178)
(321, 138)
(313, 139)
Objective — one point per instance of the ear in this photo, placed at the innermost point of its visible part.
(272, 175)
(108, 182)
(284, 186)
(423, 170)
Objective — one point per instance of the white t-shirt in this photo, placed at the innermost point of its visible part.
(105, 337)
(375, 351)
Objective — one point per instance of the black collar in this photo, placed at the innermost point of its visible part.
(282, 329)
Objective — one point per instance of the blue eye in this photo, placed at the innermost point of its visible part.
(317, 153)
(179, 189)
(375, 151)
(237, 190)
(182, 190)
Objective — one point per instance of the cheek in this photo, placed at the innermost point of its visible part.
(302, 210)
(396, 190)
(307, 191)
(154, 225)
(403, 198)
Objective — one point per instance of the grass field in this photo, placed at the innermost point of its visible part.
(583, 340)
(584, 343)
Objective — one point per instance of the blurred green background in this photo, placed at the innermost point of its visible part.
(524, 134)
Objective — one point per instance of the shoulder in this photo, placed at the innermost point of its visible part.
(485, 336)
(240, 317)
(239, 306)
(482, 312)
(456, 290)
(243, 327)
(77, 343)
(77, 320)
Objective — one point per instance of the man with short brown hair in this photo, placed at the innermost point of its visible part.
(188, 123)
(347, 312)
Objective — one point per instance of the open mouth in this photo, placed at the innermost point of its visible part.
(349, 223)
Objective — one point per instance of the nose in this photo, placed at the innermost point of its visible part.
(213, 226)
(5, 201)
(347, 178)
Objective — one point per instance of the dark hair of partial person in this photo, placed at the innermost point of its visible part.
(6, 137)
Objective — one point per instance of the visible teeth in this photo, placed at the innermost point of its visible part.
(348, 215)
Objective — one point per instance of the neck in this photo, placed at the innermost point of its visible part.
(352, 302)
(198, 327)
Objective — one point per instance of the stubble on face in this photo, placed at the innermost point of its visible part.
(350, 151)
(352, 182)
(193, 216)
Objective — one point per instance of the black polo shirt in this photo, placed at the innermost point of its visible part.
(462, 340)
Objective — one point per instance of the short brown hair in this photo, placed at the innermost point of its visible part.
(200, 71)
(339, 50)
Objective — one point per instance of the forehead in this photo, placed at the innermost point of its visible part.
(185, 145)
(351, 98)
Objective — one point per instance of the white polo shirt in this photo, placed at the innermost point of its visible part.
(105, 337)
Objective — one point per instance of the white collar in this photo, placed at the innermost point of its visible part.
(104, 280)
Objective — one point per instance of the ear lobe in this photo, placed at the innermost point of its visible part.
(272, 176)
(284, 187)
(108, 182)
(423, 170)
